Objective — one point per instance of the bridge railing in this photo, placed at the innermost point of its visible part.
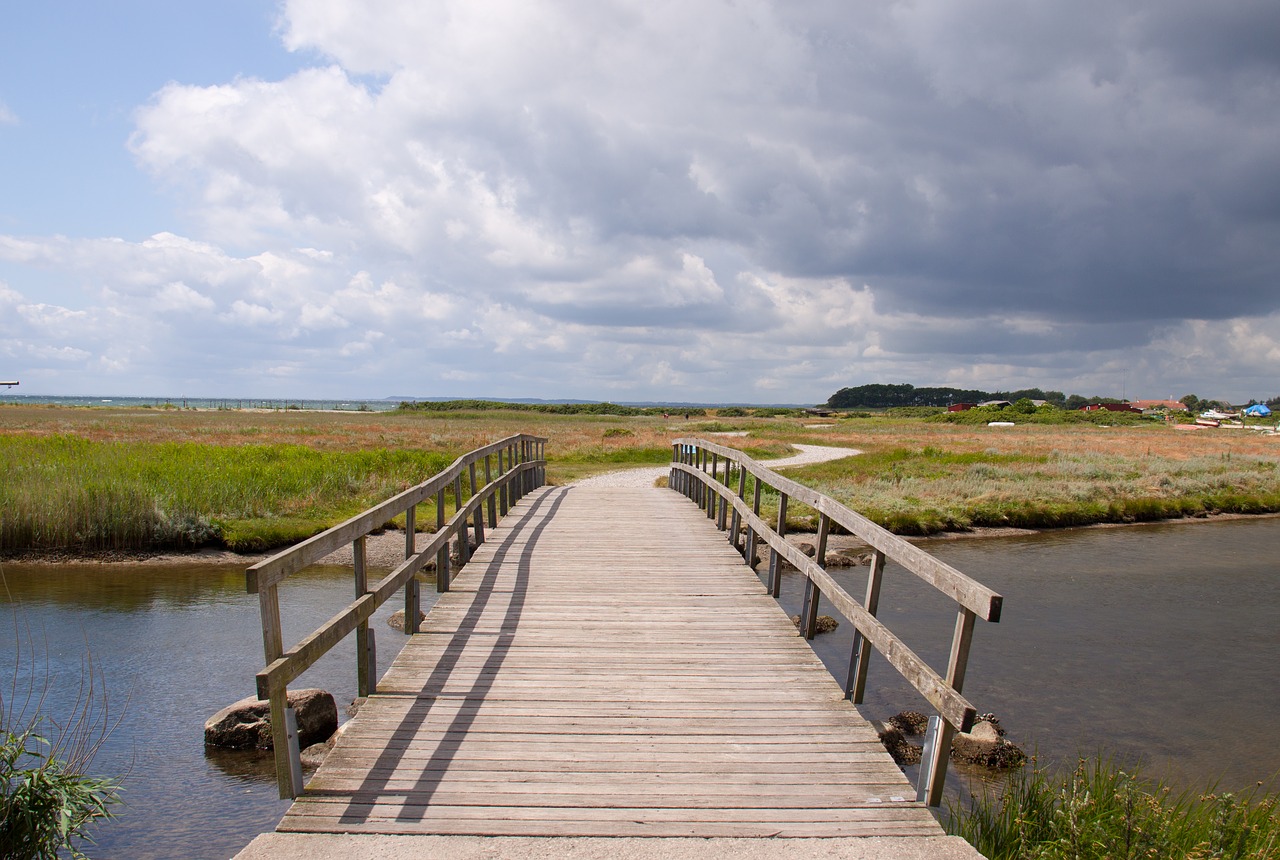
(520, 468)
(703, 471)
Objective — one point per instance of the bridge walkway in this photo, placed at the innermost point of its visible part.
(606, 665)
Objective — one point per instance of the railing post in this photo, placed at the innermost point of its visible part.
(502, 489)
(410, 531)
(751, 530)
(412, 597)
(284, 741)
(479, 513)
(855, 685)
(735, 521)
(493, 502)
(712, 495)
(929, 791)
(464, 534)
(813, 594)
(269, 614)
(442, 555)
(366, 645)
(517, 480)
(722, 519)
(775, 558)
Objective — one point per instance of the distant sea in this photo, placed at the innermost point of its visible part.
(204, 402)
(382, 405)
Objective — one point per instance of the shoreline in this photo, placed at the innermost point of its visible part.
(386, 550)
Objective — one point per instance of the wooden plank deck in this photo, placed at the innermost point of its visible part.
(606, 665)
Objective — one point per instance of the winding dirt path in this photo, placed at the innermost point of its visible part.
(645, 476)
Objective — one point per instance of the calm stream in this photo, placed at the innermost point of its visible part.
(1154, 642)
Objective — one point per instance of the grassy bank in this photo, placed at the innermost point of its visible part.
(1100, 811)
(68, 492)
(144, 479)
(918, 491)
(96, 479)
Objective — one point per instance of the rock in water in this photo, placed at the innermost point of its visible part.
(396, 619)
(247, 723)
(985, 746)
(910, 722)
(823, 624)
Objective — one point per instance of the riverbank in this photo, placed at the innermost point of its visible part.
(385, 551)
(114, 482)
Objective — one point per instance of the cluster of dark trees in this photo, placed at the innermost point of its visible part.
(878, 396)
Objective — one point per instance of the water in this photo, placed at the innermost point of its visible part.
(175, 645)
(353, 405)
(1153, 642)
(1157, 644)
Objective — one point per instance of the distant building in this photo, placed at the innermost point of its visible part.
(960, 407)
(1171, 405)
(999, 404)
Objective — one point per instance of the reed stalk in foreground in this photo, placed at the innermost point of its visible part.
(1101, 811)
(49, 799)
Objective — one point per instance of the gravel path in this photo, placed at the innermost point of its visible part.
(645, 477)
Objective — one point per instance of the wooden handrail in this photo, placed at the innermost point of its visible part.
(521, 467)
(697, 476)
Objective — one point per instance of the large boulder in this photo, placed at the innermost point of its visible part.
(247, 723)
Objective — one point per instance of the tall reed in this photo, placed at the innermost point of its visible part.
(1101, 811)
(73, 493)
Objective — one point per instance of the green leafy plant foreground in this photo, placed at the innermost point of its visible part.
(46, 802)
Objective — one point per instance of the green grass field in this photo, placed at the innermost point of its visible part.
(94, 479)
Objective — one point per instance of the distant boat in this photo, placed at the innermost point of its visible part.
(1208, 422)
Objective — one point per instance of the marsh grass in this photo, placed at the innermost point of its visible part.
(135, 479)
(1102, 811)
(76, 479)
(926, 490)
(66, 492)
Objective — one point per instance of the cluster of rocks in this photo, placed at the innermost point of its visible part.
(852, 556)
(984, 745)
(824, 624)
(396, 620)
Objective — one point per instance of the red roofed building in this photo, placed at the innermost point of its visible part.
(1171, 405)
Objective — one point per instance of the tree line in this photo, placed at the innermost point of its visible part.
(879, 396)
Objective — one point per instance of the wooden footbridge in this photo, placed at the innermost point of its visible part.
(605, 663)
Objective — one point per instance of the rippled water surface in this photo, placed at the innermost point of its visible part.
(175, 645)
(1159, 642)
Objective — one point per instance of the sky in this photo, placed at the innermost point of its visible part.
(638, 200)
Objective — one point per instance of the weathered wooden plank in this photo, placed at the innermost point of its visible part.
(561, 688)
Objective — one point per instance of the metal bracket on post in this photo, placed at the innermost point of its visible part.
(809, 609)
(295, 754)
(369, 664)
(412, 605)
(927, 758)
